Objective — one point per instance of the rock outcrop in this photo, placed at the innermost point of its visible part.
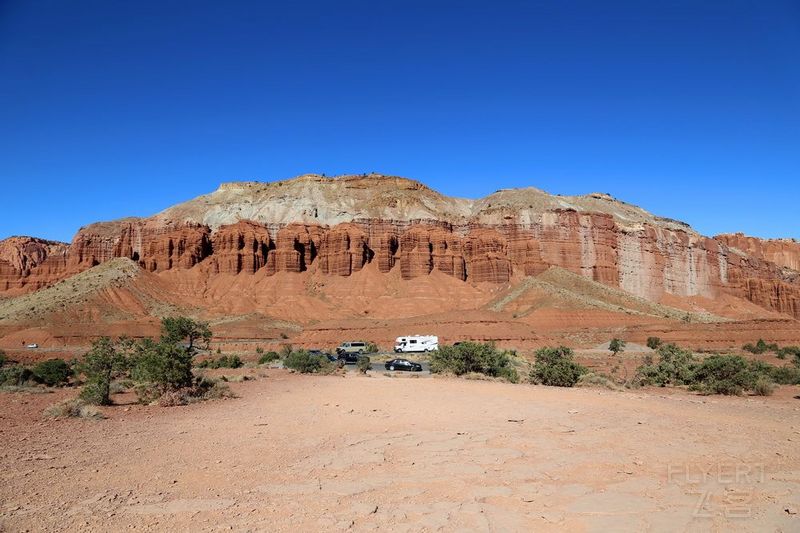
(341, 226)
(782, 252)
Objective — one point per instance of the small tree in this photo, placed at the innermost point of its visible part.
(616, 346)
(653, 343)
(99, 366)
(175, 330)
(3, 358)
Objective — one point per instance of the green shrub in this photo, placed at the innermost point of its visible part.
(3, 358)
(268, 358)
(303, 362)
(675, 367)
(15, 376)
(760, 347)
(724, 374)
(167, 366)
(469, 357)
(225, 361)
(53, 372)
(653, 343)
(785, 375)
(555, 367)
(793, 352)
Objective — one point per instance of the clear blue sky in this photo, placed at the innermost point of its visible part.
(113, 108)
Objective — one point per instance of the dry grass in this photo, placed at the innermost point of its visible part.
(597, 380)
(73, 408)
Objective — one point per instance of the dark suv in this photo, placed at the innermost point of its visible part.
(350, 358)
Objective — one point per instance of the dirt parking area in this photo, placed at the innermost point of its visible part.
(307, 453)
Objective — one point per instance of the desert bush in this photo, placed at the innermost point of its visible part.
(675, 367)
(73, 408)
(792, 352)
(3, 358)
(555, 367)
(165, 365)
(363, 364)
(225, 361)
(763, 387)
(212, 390)
(785, 375)
(268, 358)
(653, 342)
(724, 374)
(303, 362)
(286, 350)
(371, 348)
(591, 379)
(760, 347)
(15, 376)
(473, 357)
(52, 372)
(120, 386)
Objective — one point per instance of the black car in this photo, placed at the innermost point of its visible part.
(350, 358)
(320, 353)
(403, 364)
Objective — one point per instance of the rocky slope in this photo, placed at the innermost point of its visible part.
(339, 226)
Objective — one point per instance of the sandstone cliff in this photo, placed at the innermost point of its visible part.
(782, 252)
(339, 226)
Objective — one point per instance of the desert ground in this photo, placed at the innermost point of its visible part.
(310, 453)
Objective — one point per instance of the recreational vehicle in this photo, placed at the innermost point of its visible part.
(416, 343)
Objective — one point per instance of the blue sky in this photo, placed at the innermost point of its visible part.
(688, 109)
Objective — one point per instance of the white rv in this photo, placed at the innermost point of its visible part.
(416, 343)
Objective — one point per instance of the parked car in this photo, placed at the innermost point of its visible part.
(34, 345)
(326, 355)
(403, 364)
(350, 358)
(352, 347)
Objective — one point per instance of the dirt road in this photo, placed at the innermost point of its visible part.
(307, 453)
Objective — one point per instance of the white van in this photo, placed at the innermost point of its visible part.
(416, 343)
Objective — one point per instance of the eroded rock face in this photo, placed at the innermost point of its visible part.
(782, 252)
(344, 249)
(25, 253)
(242, 247)
(510, 233)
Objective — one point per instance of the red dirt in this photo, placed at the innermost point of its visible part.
(330, 453)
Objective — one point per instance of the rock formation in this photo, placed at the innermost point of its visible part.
(339, 226)
(782, 252)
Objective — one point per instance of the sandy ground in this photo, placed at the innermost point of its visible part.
(309, 453)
